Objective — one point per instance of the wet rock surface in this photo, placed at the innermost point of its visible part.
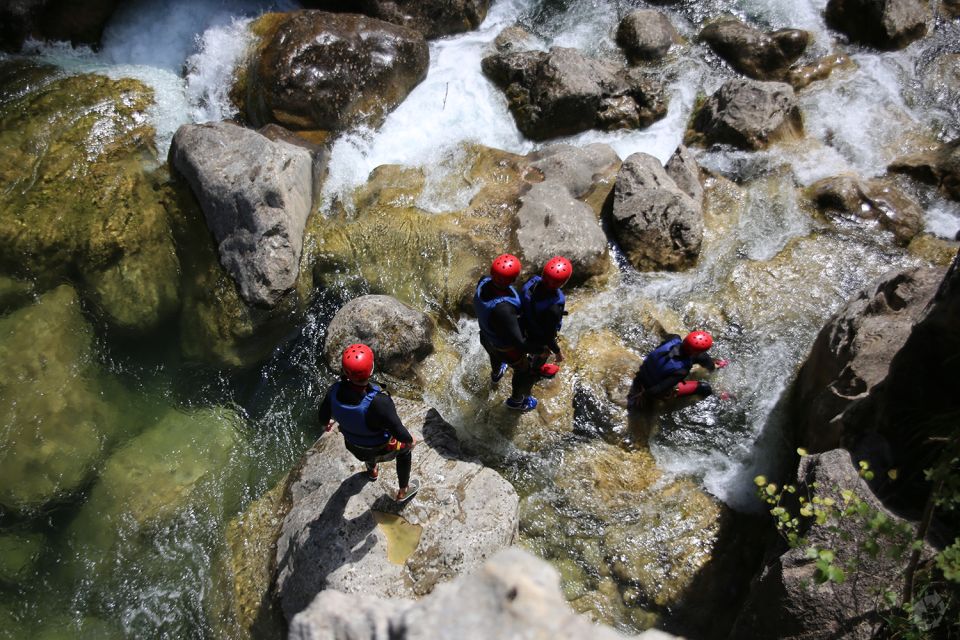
(400, 336)
(330, 71)
(646, 35)
(852, 353)
(512, 595)
(758, 55)
(747, 114)
(940, 167)
(657, 225)
(877, 199)
(255, 195)
(885, 24)
(432, 18)
(562, 92)
(331, 540)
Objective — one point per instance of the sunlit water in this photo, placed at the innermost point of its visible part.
(170, 581)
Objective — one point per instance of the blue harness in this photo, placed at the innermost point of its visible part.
(660, 364)
(534, 322)
(484, 310)
(353, 419)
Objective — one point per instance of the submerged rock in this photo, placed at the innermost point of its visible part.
(646, 35)
(331, 538)
(758, 55)
(513, 595)
(53, 20)
(884, 24)
(657, 225)
(399, 336)
(432, 18)
(315, 70)
(747, 114)
(256, 195)
(852, 353)
(18, 556)
(77, 196)
(940, 167)
(561, 92)
(57, 421)
(876, 199)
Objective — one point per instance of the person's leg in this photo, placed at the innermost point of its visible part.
(404, 462)
(497, 365)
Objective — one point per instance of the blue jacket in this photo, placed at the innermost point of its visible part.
(484, 309)
(536, 324)
(660, 364)
(353, 419)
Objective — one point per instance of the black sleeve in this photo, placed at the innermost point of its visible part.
(555, 316)
(506, 323)
(326, 412)
(667, 383)
(383, 415)
(704, 360)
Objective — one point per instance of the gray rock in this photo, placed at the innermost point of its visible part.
(432, 18)
(562, 92)
(759, 55)
(514, 38)
(330, 539)
(657, 225)
(646, 35)
(514, 595)
(940, 167)
(875, 199)
(683, 169)
(852, 353)
(330, 71)
(884, 24)
(576, 169)
(256, 196)
(748, 114)
(399, 335)
(785, 602)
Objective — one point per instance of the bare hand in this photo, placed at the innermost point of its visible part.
(720, 364)
(329, 426)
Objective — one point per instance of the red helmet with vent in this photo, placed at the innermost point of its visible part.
(556, 272)
(505, 269)
(698, 341)
(357, 363)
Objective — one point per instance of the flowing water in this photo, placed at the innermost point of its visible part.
(138, 550)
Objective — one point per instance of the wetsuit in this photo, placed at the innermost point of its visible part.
(369, 421)
(664, 368)
(542, 311)
(498, 313)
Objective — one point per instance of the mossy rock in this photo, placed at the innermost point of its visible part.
(77, 197)
(18, 556)
(57, 423)
(14, 293)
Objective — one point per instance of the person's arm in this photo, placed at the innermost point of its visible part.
(325, 412)
(555, 316)
(506, 323)
(383, 415)
(667, 384)
(704, 360)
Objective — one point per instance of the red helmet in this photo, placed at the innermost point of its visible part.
(505, 269)
(698, 341)
(556, 272)
(357, 363)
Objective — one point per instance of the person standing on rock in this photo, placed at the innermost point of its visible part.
(497, 305)
(541, 313)
(372, 430)
(664, 370)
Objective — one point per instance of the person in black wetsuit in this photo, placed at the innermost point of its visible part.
(541, 313)
(664, 370)
(372, 430)
(497, 305)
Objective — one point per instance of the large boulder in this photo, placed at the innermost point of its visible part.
(940, 167)
(53, 20)
(554, 216)
(79, 197)
(326, 71)
(346, 533)
(685, 172)
(657, 225)
(646, 35)
(786, 602)
(747, 114)
(513, 595)
(877, 199)
(400, 336)
(754, 53)
(432, 18)
(852, 353)
(562, 92)
(256, 195)
(884, 24)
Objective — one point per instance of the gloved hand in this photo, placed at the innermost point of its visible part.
(720, 364)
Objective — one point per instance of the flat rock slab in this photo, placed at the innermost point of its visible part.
(330, 538)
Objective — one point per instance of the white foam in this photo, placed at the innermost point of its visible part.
(211, 71)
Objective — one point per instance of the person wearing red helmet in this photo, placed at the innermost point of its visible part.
(664, 370)
(542, 310)
(497, 305)
(372, 430)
